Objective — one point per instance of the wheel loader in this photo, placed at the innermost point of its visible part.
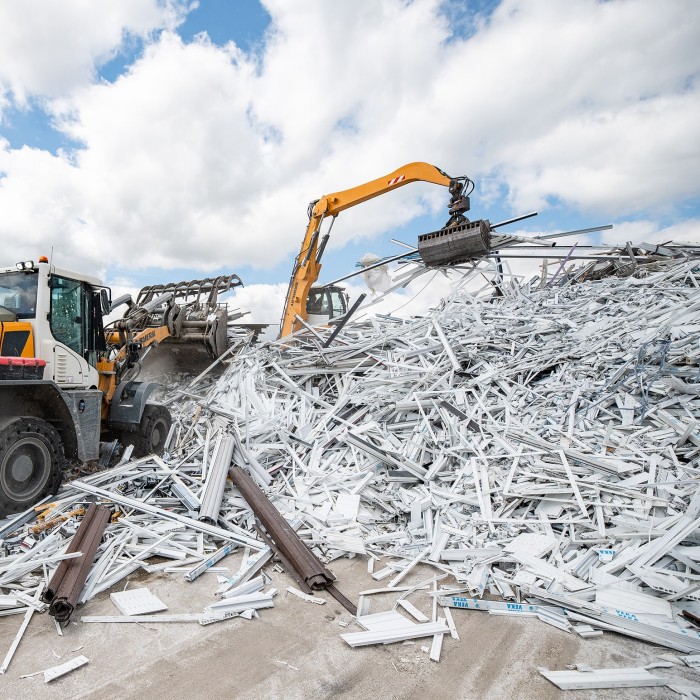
(67, 378)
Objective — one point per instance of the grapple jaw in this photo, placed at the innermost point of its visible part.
(455, 243)
(191, 311)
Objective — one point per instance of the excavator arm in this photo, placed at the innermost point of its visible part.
(307, 265)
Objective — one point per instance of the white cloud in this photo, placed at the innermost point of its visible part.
(202, 156)
(646, 231)
(638, 156)
(264, 301)
(48, 48)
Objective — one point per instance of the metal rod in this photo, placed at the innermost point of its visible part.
(573, 233)
(550, 256)
(370, 267)
(512, 221)
(234, 533)
(344, 320)
(405, 245)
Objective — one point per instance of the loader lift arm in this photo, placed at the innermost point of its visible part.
(307, 266)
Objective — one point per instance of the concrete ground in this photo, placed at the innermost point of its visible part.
(295, 651)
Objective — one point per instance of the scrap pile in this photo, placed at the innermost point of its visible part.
(541, 446)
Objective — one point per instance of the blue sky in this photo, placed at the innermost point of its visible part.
(154, 140)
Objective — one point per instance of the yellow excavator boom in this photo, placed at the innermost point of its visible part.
(307, 265)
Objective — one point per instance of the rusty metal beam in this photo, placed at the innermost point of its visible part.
(70, 576)
(310, 571)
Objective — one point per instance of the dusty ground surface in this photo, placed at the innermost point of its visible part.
(497, 657)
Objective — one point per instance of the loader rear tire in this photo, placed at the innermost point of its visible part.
(152, 432)
(31, 463)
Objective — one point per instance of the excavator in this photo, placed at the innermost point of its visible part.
(68, 379)
(459, 239)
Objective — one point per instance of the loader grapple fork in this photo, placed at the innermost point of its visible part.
(190, 310)
(191, 292)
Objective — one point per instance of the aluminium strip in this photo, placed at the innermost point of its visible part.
(232, 605)
(124, 571)
(17, 640)
(236, 534)
(103, 563)
(256, 469)
(436, 646)
(688, 642)
(216, 482)
(388, 636)
(251, 586)
(555, 619)
(305, 596)
(249, 568)
(192, 574)
(448, 349)
(370, 449)
(661, 545)
(451, 623)
(408, 568)
(605, 678)
(23, 518)
(13, 573)
(51, 674)
(413, 610)
(20, 633)
(488, 605)
(177, 617)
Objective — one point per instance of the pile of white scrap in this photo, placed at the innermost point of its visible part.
(540, 446)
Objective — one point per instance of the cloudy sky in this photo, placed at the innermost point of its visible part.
(160, 140)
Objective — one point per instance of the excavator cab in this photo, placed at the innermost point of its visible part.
(325, 303)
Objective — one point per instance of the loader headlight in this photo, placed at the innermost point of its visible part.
(27, 265)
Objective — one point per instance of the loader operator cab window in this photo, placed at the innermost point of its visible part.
(18, 293)
(317, 303)
(326, 301)
(67, 312)
(337, 301)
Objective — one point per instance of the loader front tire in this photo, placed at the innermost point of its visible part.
(31, 463)
(152, 432)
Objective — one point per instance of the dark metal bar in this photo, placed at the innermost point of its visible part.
(309, 570)
(70, 576)
(691, 617)
(550, 256)
(371, 267)
(460, 414)
(573, 233)
(281, 532)
(344, 320)
(512, 221)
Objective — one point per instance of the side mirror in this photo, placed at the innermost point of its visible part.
(105, 303)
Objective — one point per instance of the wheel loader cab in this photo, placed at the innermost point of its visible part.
(75, 316)
(54, 315)
(52, 404)
(325, 303)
